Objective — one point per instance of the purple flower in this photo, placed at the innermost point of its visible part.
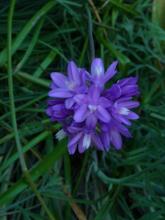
(92, 107)
(90, 114)
(121, 110)
(123, 88)
(82, 137)
(98, 76)
(111, 134)
(66, 87)
(57, 111)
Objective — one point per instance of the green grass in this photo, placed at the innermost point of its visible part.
(118, 185)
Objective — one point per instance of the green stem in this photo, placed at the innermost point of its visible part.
(90, 32)
(158, 15)
(21, 107)
(13, 113)
(158, 19)
(34, 189)
(10, 84)
(85, 160)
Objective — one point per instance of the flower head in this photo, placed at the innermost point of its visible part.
(92, 115)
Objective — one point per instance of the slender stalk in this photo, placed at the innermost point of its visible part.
(34, 189)
(90, 32)
(10, 84)
(158, 15)
(85, 160)
(13, 112)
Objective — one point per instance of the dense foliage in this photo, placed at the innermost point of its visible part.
(116, 185)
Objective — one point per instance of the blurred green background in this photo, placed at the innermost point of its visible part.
(118, 185)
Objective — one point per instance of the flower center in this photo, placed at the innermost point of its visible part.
(123, 111)
(71, 85)
(92, 108)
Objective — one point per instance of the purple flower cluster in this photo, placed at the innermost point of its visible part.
(90, 113)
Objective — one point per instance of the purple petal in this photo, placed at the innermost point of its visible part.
(132, 116)
(124, 131)
(97, 68)
(53, 86)
(81, 149)
(91, 121)
(83, 75)
(58, 111)
(49, 111)
(87, 76)
(60, 93)
(79, 98)
(97, 141)
(104, 127)
(81, 113)
(58, 79)
(114, 92)
(54, 102)
(94, 93)
(128, 81)
(72, 149)
(124, 99)
(58, 107)
(105, 137)
(116, 139)
(130, 90)
(128, 104)
(103, 114)
(122, 119)
(73, 143)
(69, 103)
(73, 72)
(105, 102)
(86, 141)
(111, 71)
(73, 129)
